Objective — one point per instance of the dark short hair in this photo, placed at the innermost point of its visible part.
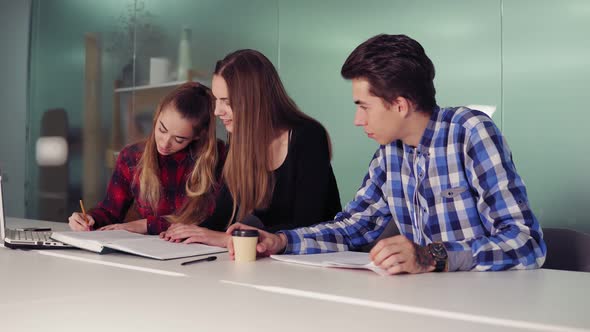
(394, 66)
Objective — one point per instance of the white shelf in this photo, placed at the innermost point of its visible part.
(156, 86)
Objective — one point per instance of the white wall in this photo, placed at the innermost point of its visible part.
(14, 51)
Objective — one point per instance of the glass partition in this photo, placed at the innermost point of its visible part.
(98, 70)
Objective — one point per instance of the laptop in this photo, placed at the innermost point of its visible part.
(25, 238)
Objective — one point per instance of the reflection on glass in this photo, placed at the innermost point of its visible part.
(106, 65)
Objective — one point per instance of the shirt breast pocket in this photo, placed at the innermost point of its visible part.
(453, 192)
(455, 197)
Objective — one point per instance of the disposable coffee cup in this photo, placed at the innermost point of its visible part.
(245, 241)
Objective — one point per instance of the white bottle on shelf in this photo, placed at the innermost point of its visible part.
(184, 55)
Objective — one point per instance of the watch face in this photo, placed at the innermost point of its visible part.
(438, 251)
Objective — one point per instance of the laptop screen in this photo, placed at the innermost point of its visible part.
(2, 225)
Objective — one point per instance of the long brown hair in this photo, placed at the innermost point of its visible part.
(195, 103)
(262, 109)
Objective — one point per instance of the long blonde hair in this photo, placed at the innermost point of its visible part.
(195, 103)
(261, 110)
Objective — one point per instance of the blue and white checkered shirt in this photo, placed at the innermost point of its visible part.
(468, 196)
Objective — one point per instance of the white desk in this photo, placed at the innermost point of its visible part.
(51, 290)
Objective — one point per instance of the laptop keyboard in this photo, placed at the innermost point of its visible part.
(29, 236)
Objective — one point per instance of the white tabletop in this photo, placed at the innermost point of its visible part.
(69, 290)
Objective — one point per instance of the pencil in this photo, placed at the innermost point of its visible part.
(84, 213)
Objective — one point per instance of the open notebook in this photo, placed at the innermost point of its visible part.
(343, 259)
(143, 245)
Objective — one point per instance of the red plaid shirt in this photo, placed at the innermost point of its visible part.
(123, 190)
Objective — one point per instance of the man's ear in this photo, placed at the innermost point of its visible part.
(391, 105)
(403, 106)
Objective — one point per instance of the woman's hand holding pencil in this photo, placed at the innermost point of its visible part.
(81, 221)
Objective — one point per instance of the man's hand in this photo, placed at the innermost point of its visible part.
(137, 226)
(194, 234)
(397, 255)
(268, 243)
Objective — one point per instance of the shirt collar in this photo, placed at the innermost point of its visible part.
(426, 139)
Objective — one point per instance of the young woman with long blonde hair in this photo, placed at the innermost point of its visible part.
(278, 167)
(180, 158)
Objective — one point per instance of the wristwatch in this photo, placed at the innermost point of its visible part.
(438, 251)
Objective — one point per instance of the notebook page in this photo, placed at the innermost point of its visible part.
(340, 258)
(349, 258)
(155, 247)
(343, 259)
(93, 241)
(103, 236)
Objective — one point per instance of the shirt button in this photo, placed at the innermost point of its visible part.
(424, 210)
(421, 175)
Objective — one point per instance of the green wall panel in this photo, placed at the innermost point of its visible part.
(461, 37)
(546, 79)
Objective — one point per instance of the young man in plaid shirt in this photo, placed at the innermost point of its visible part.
(444, 176)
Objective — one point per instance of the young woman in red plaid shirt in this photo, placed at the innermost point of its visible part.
(180, 158)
